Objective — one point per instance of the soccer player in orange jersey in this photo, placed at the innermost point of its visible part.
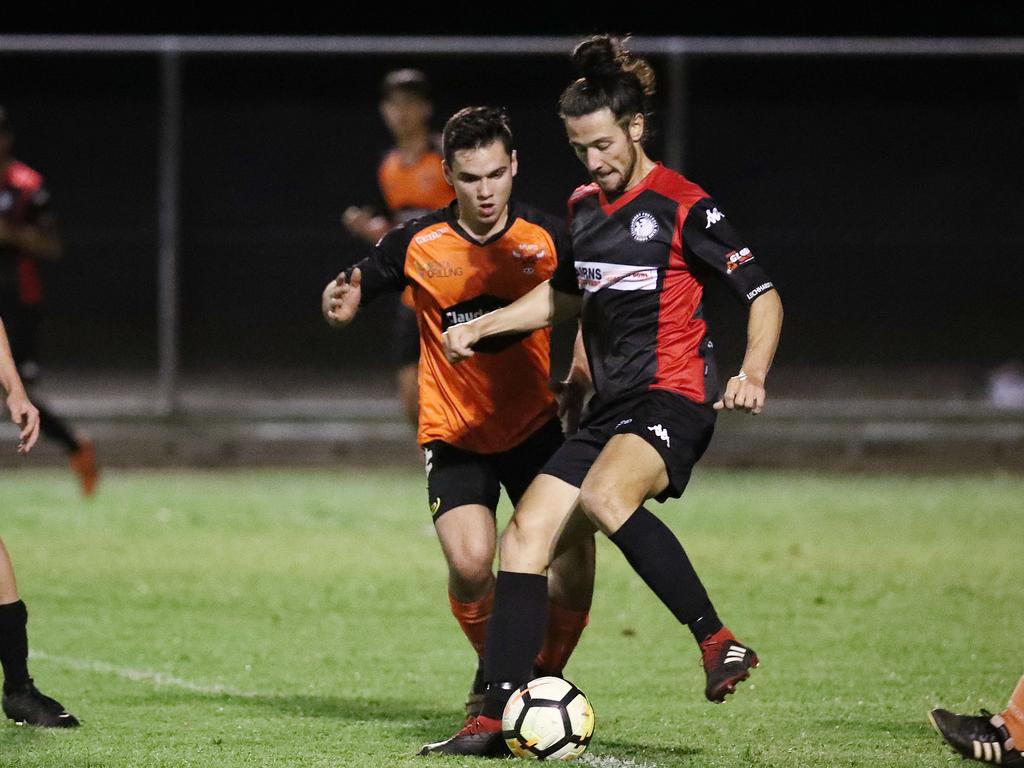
(997, 739)
(22, 701)
(411, 184)
(492, 423)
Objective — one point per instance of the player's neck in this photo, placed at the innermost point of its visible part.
(413, 146)
(483, 232)
(644, 165)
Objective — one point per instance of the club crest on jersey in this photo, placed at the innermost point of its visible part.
(643, 227)
(735, 259)
(528, 254)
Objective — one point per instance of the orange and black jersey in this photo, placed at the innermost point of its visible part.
(24, 199)
(411, 190)
(499, 397)
(641, 262)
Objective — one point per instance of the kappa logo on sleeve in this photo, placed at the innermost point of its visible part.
(714, 216)
(738, 258)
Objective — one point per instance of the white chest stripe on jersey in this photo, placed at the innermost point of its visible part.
(595, 275)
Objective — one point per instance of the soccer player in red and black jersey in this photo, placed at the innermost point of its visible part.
(645, 241)
(491, 423)
(28, 234)
(22, 701)
(411, 184)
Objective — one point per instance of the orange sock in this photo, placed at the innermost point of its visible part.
(473, 618)
(1014, 716)
(564, 629)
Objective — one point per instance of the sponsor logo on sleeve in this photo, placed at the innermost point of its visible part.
(759, 290)
(714, 216)
(738, 258)
(597, 275)
(431, 236)
(643, 227)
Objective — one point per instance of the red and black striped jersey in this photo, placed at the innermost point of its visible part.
(641, 263)
(24, 198)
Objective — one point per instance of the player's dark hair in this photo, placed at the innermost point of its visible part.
(5, 124)
(609, 76)
(474, 127)
(406, 81)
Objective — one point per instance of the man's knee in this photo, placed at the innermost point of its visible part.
(524, 548)
(605, 504)
(471, 564)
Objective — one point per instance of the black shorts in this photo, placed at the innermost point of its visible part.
(456, 477)
(406, 338)
(678, 429)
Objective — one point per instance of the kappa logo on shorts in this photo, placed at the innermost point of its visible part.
(623, 423)
(643, 227)
(662, 433)
(714, 216)
(428, 459)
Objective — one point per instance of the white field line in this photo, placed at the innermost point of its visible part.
(156, 679)
(610, 761)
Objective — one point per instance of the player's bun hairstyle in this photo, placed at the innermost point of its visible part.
(609, 76)
(474, 127)
(406, 81)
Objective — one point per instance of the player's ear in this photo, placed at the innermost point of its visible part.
(514, 164)
(636, 127)
(447, 171)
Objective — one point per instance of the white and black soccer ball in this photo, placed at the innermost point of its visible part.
(548, 719)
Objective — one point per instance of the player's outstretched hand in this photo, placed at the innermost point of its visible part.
(743, 393)
(26, 416)
(340, 300)
(459, 341)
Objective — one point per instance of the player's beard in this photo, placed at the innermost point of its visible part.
(625, 175)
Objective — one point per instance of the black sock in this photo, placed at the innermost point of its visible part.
(515, 634)
(657, 556)
(54, 427)
(14, 644)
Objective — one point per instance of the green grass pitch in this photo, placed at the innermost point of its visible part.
(298, 618)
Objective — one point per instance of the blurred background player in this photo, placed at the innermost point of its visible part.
(493, 422)
(411, 184)
(28, 234)
(989, 738)
(22, 701)
(645, 241)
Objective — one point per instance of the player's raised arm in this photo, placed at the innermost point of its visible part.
(541, 307)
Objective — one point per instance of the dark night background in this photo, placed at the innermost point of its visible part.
(882, 194)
